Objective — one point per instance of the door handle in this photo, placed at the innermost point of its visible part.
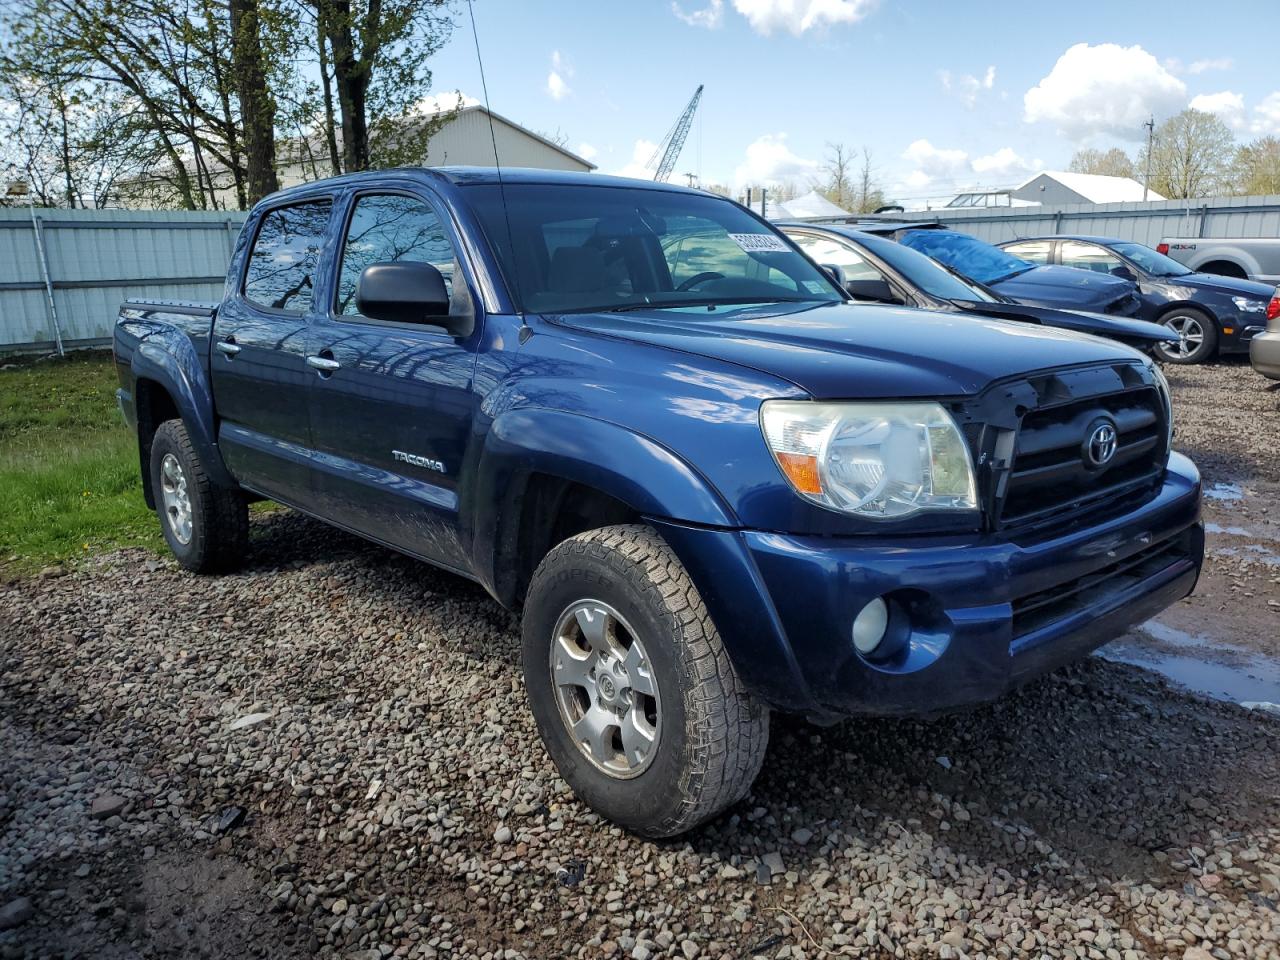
(323, 364)
(228, 348)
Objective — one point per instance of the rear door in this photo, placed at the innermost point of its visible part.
(393, 408)
(261, 380)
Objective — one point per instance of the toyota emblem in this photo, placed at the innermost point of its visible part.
(1100, 446)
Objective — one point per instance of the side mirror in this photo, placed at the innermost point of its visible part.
(1124, 273)
(835, 272)
(877, 291)
(408, 292)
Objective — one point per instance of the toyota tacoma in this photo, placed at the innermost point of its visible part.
(712, 486)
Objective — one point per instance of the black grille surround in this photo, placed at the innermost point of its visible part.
(1125, 306)
(1029, 440)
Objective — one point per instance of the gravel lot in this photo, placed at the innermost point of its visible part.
(330, 754)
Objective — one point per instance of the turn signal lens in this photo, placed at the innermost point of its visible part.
(802, 471)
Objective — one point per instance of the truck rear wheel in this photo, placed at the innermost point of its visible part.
(206, 526)
(632, 690)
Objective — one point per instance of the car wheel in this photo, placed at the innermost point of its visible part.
(632, 690)
(1197, 336)
(206, 526)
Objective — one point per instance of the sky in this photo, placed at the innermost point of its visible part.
(945, 95)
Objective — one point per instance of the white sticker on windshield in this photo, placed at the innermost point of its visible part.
(760, 242)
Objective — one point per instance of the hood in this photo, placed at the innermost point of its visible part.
(1136, 333)
(1230, 286)
(1056, 286)
(862, 351)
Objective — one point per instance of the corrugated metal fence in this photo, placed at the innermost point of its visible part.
(1143, 222)
(97, 258)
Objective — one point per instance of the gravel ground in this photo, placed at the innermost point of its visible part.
(330, 754)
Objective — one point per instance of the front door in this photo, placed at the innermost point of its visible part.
(261, 380)
(392, 414)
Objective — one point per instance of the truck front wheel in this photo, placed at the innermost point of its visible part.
(206, 526)
(630, 685)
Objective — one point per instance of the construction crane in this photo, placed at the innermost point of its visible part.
(664, 158)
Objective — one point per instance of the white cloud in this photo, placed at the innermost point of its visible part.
(586, 151)
(1002, 165)
(1220, 63)
(770, 161)
(557, 82)
(444, 102)
(1104, 89)
(1226, 104)
(1266, 116)
(710, 16)
(637, 165)
(966, 86)
(799, 16)
(933, 163)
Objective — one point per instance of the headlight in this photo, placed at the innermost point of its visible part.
(876, 460)
(1246, 305)
(1166, 396)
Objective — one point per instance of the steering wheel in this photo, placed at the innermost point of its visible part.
(698, 278)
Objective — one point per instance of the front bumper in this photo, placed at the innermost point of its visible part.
(986, 613)
(1264, 354)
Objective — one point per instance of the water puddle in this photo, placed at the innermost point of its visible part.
(1224, 492)
(1252, 551)
(1238, 531)
(1201, 664)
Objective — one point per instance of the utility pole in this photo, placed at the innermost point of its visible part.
(692, 177)
(1151, 139)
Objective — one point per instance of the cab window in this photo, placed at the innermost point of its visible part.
(282, 264)
(385, 228)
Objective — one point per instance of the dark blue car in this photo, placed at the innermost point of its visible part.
(1211, 314)
(1012, 276)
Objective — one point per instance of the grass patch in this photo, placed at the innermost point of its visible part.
(69, 480)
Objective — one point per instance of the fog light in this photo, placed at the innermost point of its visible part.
(870, 625)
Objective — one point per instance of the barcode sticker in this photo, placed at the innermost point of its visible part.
(760, 242)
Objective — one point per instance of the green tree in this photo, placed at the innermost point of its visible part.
(1107, 163)
(1256, 167)
(1191, 156)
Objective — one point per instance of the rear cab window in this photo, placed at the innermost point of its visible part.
(281, 272)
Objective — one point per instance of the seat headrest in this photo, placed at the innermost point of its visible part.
(577, 270)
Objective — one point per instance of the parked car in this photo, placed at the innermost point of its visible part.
(1245, 258)
(1210, 314)
(877, 269)
(1264, 349)
(640, 416)
(1012, 276)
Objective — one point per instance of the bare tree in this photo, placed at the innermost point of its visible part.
(839, 175)
(1107, 163)
(850, 179)
(1191, 156)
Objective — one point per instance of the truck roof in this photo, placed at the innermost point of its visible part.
(469, 176)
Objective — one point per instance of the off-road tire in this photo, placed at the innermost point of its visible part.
(219, 536)
(713, 733)
(1173, 352)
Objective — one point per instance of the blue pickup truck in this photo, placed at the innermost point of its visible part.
(638, 414)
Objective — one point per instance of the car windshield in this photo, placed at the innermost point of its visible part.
(585, 248)
(929, 275)
(969, 255)
(1148, 261)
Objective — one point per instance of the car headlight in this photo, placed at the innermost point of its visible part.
(1166, 397)
(1247, 305)
(875, 460)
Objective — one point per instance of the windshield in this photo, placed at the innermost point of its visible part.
(969, 255)
(929, 275)
(1148, 261)
(585, 248)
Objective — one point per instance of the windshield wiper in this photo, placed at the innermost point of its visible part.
(718, 302)
(1010, 276)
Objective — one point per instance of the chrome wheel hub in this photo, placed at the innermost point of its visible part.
(176, 501)
(1190, 336)
(604, 687)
